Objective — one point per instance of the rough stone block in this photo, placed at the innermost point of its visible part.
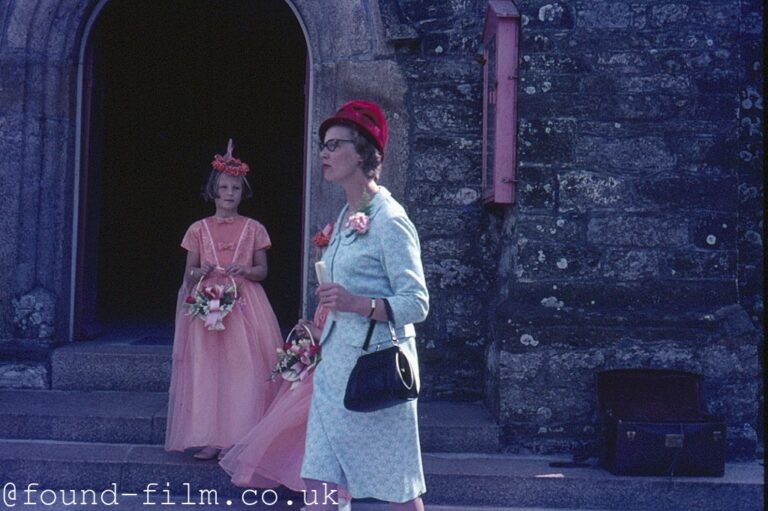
(448, 159)
(674, 302)
(638, 231)
(449, 273)
(559, 229)
(700, 264)
(537, 188)
(455, 70)
(549, 261)
(447, 108)
(623, 62)
(582, 191)
(544, 14)
(667, 15)
(598, 84)
(718, 81)
(441, 220)
(450, 44)
(539, 42)
(715, 231)
(536, 405)
(434, 249)
(439, 195)
(721, 15)
(608, 15)
(658, 83)
(626, 265)
(546, 141)
(637, 155)
(15, 375)
(688, 192)
(418, 11)
(554, 63)
(717, 107)
(33, 315)
(649, 107)
(545, 83)
(543, 106)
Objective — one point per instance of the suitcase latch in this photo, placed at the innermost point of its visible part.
(631, 435)
(674, 441)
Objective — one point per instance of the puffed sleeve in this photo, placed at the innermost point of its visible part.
(192, 240)
(261, 239)
(401, 257)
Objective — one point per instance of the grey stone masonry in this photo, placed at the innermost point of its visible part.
(636, 240)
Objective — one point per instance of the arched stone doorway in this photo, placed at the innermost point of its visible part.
(164, 87)
(44, 57)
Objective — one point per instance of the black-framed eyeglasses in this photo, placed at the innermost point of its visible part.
(332, 144)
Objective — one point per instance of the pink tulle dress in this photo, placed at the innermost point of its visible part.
(220, 379)
(271, 453)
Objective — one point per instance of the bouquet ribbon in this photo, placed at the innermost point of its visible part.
(214, 310)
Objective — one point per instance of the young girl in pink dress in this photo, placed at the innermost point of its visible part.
(226, 333)
(272, 452)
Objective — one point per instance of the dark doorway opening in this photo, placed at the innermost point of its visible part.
(168, 84)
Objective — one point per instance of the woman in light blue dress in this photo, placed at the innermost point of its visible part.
(374, 253)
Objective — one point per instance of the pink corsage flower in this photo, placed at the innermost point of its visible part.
(358, 222)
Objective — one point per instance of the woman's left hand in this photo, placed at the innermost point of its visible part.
(237, 270)
(334, 297)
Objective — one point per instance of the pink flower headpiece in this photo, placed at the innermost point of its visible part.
(229, 164)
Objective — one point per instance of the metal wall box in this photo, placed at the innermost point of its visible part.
(500, 64)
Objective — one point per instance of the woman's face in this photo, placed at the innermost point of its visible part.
(230, 193)
(342, 165)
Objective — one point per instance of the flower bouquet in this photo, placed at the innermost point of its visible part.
(212, 304)
(297, 358)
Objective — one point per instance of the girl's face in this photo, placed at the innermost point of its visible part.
(343, 165)
(230, 193)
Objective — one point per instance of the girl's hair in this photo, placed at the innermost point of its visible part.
(370, 154)
(211, 188)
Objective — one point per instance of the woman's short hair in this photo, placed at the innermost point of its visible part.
(370, 154)
(211, 188)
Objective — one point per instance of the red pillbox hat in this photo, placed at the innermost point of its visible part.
(365, 115)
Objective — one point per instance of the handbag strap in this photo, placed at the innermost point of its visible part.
(390, 323)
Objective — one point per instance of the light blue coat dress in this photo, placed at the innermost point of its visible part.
(374, 454)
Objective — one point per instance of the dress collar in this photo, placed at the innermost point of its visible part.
(222, 220)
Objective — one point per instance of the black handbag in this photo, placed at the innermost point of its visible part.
(383, 378)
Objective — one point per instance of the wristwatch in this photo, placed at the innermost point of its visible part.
(373, 308)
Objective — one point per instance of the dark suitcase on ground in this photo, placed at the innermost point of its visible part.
(653, 424)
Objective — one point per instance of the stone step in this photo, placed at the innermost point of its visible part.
(121, 366)
(463, 481)
(140, 418)
(95, 416)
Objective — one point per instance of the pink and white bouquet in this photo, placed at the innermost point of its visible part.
(297, 358)
(212, 304)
